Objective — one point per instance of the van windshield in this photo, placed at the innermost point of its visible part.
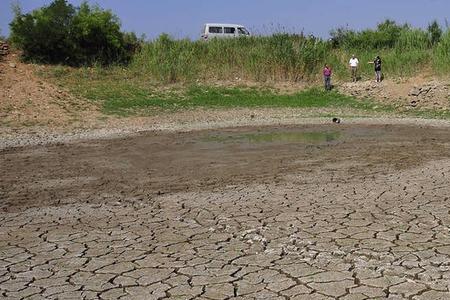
(243, 31)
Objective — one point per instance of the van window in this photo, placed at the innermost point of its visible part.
(243, 31)
(230, 30)
(215, 29)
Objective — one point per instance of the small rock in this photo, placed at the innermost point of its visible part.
(425, 90)
(12, 65)
(415, 92)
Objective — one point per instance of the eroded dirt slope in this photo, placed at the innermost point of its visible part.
(407, 94)
(26, 99)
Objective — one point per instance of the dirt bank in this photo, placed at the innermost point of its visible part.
(404, 94)
(31, 104)
(27, 100)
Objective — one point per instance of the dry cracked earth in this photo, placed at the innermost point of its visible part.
(310, 212)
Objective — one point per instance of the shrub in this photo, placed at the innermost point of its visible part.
(339, 36)
(62, 33)
(384, 37)
(43, 34)
(434, 32)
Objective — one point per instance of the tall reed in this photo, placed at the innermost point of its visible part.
(290, 57)
(441, 55)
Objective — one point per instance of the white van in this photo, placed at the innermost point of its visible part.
(216, 30)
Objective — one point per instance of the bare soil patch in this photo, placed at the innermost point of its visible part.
(153, 163)
(26, 100)
(284, 212)
(405, 94)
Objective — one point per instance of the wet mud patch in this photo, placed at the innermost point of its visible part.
(142, 167)
(276, 136)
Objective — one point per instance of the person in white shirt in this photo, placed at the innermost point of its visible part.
(354, 62)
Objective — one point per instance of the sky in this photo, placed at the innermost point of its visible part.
(184, 18)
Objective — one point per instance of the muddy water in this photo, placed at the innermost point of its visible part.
(137, 168)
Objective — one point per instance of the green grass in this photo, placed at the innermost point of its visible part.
(126, 98)
(121, 92)
(168, 74)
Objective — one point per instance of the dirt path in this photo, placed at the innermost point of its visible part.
(297, 212)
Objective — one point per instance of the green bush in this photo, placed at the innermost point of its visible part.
(63, 34)
(435, 32)
(384, 37)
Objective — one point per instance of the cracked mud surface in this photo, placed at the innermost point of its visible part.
(361, 212)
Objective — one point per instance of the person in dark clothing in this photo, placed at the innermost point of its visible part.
(327, 72)
(377, 64)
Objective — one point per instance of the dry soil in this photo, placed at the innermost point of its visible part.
(289, 212)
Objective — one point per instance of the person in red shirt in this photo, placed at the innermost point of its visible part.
(327, 72)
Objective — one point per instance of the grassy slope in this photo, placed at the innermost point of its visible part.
(142, 87)
(214, 97)
(121, 92)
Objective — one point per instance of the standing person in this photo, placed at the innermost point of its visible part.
(354, 62)
(327, 72)
(377, 64)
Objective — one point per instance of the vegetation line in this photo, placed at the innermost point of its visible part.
(90, 36)
(94, 58)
